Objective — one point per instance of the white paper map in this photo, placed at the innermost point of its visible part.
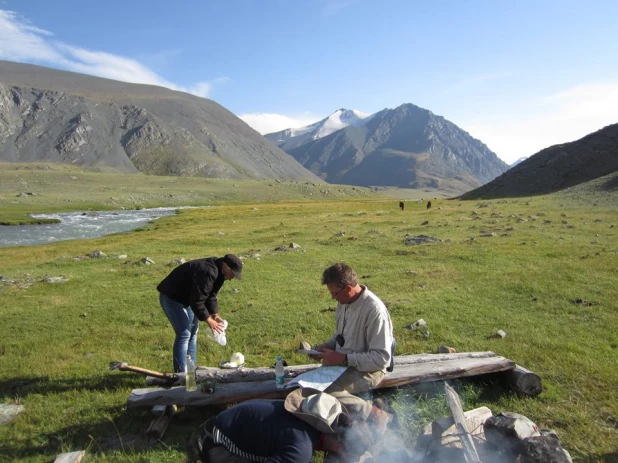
(319, 379)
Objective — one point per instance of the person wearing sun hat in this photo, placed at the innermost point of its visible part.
(319, 409)
(189, 295)
(258, 430)
(271, 430)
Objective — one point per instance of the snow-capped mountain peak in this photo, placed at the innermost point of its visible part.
(338, 120)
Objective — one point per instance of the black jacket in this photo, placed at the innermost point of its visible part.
(196, 284)
(263, 428)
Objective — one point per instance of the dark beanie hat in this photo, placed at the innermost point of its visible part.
(235, 265)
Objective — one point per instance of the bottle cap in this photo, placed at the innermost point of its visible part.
(278, 357)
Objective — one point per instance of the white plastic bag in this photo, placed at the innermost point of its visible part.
(217, 337)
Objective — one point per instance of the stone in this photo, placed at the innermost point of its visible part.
(446, 350)
(508, 430)
(59, 279)
(9, 411)
(420, 323)
(543, 449)
(420, 239)
(97, 254)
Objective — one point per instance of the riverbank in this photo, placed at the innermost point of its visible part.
(35, 188)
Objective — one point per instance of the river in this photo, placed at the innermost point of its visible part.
(80, 225)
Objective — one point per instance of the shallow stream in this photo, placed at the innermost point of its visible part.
(80, 225)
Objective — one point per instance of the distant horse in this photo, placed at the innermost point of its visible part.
(428, 205)
(401, 205)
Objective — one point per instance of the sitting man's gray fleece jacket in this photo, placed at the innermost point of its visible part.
(367, 329)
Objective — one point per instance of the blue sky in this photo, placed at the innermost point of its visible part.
(518, 75)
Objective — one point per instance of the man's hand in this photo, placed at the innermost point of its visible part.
(216, 324)
(331, 357)
(319, 348)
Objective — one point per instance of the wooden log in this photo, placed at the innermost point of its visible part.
(443, 370)
(263, 374)
(72, 457)
(524, 381)
(402, 375)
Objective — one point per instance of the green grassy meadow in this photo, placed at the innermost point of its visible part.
(546, 273)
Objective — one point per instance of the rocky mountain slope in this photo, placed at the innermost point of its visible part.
(557, 167)
(52, 115)
(407, 147)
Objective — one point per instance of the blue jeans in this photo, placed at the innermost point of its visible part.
(185, 325)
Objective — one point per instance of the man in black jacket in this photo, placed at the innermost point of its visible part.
(278, 431)
(189, 294)
(259, 430)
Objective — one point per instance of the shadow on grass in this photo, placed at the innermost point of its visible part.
(125, 433)
(22, 387)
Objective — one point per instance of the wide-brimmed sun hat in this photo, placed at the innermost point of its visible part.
(316, 408)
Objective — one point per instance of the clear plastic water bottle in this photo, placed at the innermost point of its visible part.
(279, 373)
(190, 375)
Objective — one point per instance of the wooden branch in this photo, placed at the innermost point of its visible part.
(263, 374)
(470, 452)
(442, 369)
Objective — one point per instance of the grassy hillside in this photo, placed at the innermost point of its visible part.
(27, 188)
(542, 269)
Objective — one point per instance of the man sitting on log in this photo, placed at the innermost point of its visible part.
(363, 340)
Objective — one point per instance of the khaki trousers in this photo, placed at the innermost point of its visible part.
(353, 382)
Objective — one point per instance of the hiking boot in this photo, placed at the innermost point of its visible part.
(385, 406)
(194, 448)
(379, 420)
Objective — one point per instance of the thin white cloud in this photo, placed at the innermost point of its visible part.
(268, 123)
(20, 41)
(111, 66)
(560, 118)
(333, 6)
(483, 78)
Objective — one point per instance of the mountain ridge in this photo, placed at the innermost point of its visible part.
(54, 115)
(557, 167)
(407, 147)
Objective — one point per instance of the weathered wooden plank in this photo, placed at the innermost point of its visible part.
(72, 457)
(404, 374)
(263, 374)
